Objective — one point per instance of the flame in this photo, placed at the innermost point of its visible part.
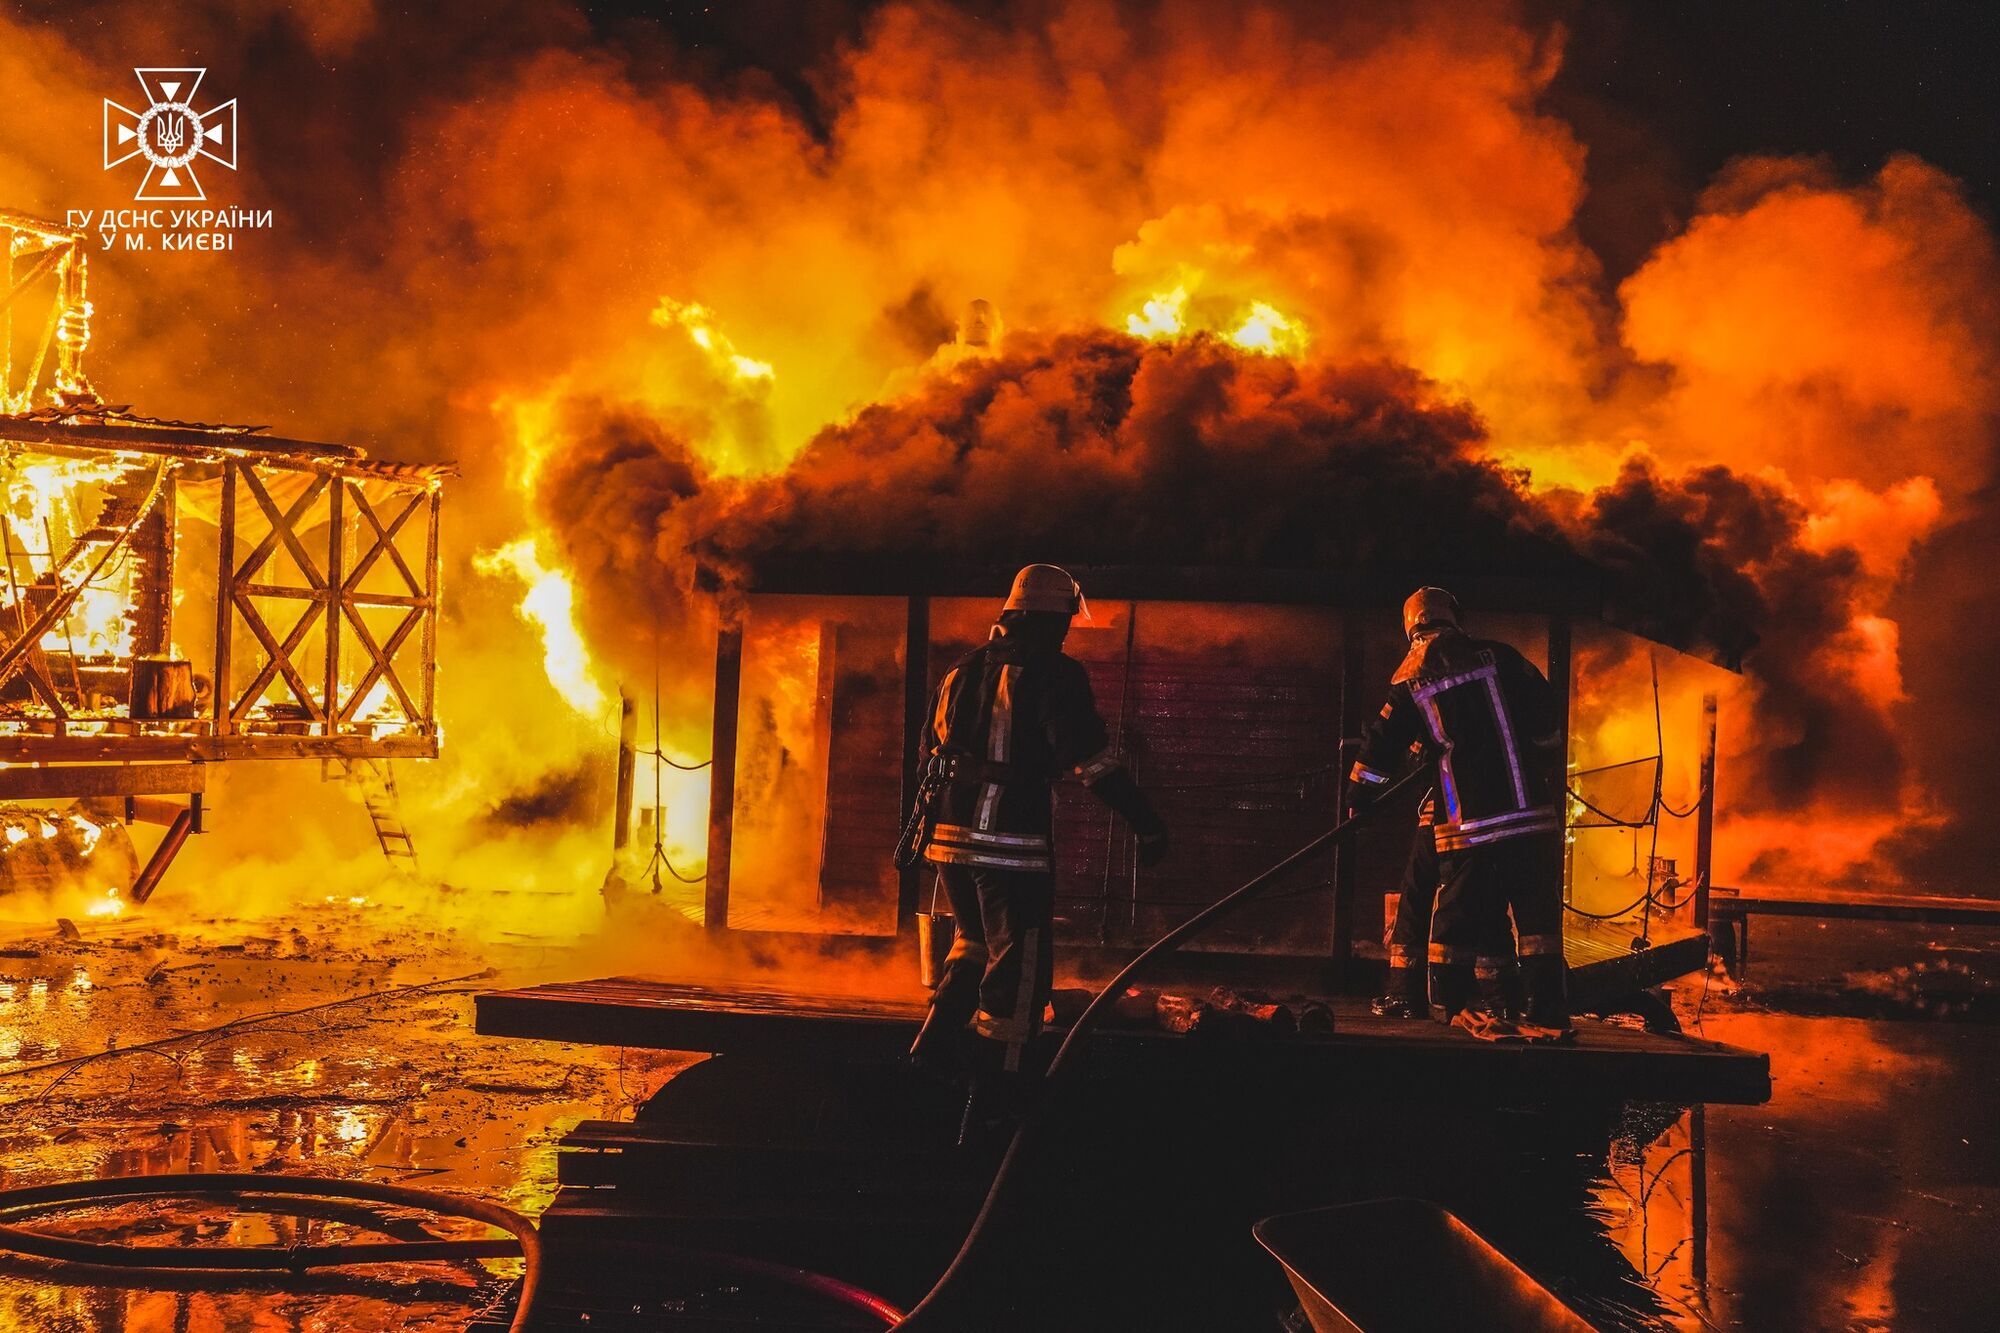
(699, 321)
(550, 605)
(52, 505)
(1265, 330)
(746, 275)
(1164, 316)
(1254, 326)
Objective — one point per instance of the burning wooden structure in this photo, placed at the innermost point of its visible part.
(178, 594)
(1237, 696)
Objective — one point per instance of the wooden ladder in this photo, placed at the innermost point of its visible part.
(376, 783)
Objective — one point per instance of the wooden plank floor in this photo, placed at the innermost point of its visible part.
(1418, 1058)
(1856, 904)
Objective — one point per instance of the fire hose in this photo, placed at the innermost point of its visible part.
(932, 1313)
(294, 1259)
(161, 1261)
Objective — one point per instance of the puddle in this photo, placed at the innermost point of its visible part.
(395, 1089)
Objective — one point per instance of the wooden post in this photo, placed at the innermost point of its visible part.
(916, 714)
(1704, 819)
(1354, 697)
(722, 777)
(1560, 673)
(431, 599)
(335, 596)
(153, 585)
(225, 600)
(628, 756)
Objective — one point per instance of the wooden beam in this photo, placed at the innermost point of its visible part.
(336, 565)
(722, 777)
(1416, 1060)
(225, 602)
(41, 784)
(916, 713)
(21, 748)
(427, 689)
(163, 856)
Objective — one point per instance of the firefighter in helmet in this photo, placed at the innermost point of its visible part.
(1011, 718)
(1490, 720)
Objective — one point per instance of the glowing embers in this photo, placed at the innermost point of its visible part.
(1253, 325)
(550, 606)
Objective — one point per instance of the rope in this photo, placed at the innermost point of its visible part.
(671, 762)
(1610, 820)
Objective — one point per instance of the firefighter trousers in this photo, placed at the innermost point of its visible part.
(1001, 966)
(1409, 937)
(1477, 888)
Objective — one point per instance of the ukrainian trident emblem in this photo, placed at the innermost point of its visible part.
(170, 134)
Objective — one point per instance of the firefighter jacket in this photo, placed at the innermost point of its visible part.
(1011, 718)
(1491, 721)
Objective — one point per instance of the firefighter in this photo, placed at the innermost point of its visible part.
(1407, 937)
(1011, 718)
(1490, 720)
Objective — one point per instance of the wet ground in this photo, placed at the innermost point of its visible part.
(336, 1038)
(380, 1077)
(1866, 1194)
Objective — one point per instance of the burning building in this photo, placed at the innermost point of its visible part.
(1236, 697)
(179, 594)
(1304, 305)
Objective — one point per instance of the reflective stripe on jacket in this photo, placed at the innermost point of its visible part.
(1010, 719)
(1490, 718)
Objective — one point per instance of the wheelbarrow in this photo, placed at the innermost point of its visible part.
(1404, 1265)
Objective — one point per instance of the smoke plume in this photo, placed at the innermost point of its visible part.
(677, 310)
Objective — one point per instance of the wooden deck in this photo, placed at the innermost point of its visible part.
(1854, 904)
(1730, 911)
(1414, 1058)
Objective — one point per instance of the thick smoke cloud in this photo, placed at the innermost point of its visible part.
(1106, 449)
(1776, 433)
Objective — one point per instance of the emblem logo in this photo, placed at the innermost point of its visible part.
(170, 134)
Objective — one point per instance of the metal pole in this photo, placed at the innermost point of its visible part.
(1704, 820)
(1353, 713)
(1560, 673)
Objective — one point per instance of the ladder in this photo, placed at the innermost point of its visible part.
(375, 782)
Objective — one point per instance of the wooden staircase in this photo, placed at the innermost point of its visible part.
(375, 782)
